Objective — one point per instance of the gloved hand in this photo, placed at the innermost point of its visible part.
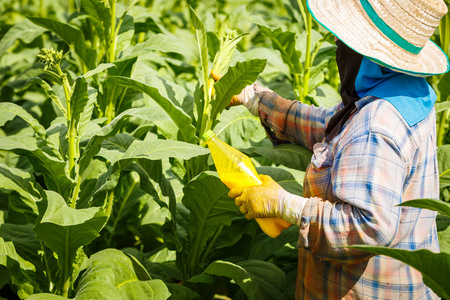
(268, 200)
(247, 97)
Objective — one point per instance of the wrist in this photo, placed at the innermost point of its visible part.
(289, 207)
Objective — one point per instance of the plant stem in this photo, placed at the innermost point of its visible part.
(66, 278)
(47, 268)
(112, 36)
(307, 67)
(71, 133)
(110, 203)
(211, 244)
(117, 218)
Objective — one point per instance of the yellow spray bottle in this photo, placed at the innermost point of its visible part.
(235, 169)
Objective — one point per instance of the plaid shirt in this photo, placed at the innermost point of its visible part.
(352, 188)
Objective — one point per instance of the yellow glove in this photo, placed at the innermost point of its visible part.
(247, 97)
(268, 200)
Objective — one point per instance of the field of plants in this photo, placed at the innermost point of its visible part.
(106, 190)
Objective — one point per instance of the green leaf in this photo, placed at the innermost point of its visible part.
(444, 165)
(101, 15)
(239, 128)
(431, 204)
(441, 106)
(148, 154)
(53, 169)
(46, 296)
(290, 179)
(202, 42)
(23, 183)
(43, 142)
(444, 87)
(50, 93)
(435, 267)
(227, 48)
(233, 82)
(210, 208)
(64, 229)
(160, 149)
(27, 247)
(158, 42)
(258, 279)
(267, 246)
(94, 144)
(81, 112)
(284, 41)
(26, 31)
(125, 34)
(443, 229)
(100, 68)
(181, 119)
(292, 156)
(111, 274)
(172, 91)
(22, 272)
(72, 36)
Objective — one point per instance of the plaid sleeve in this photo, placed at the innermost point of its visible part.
(292, 121)
(367, 178)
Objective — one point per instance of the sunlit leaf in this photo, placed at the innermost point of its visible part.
(181, 119)
(233, 82)
(111, 274)
(259, 280)
(64, 229)
(290, 155)
(435, 267)
(26, 31)
(73, 36)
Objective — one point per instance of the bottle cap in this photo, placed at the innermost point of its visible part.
(207, 135)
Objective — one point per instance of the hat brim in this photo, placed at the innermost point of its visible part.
(349, 23)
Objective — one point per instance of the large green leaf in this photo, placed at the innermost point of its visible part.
(125, 34)
(111, 274)
(432, 204)
(73, 36)
(53, 169)
(44, 143)
(64, 229)
(148, 155)
(441, 106)
(181, 119)
(27, 247)
(26, 31)
(23, 183)
(444, 165)
(443, 229)
(82, 104)
(435, 267)
(258, 279)
(22, 272)
(100, 14)
(290, 179)
(292, 156)
(210, 208)
(94, 144)
(239, 128)
(158, 42)
(233, 82)
(444, 87)
(284, 41)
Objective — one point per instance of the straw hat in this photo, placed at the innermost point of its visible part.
(393, 33)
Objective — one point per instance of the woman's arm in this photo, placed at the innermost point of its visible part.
(292, 121)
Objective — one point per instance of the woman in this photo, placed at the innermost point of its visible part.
(373, 151)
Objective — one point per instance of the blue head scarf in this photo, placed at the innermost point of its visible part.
(412, 96)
